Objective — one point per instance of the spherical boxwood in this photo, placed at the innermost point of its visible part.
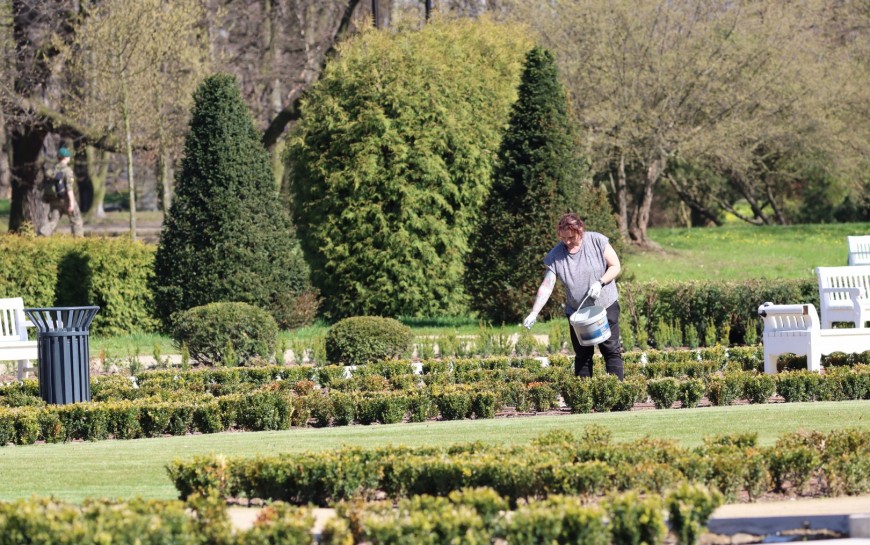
(365, 339)
(226, 333)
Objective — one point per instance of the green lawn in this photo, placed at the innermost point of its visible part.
(74, 471)
(741, 252)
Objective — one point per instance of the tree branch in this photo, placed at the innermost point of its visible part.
(291, 111)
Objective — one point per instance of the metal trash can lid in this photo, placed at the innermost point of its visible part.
(62, 319)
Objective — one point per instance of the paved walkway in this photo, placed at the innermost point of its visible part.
(767, 518)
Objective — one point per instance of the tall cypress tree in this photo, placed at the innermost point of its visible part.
(539, 177)
(226, 236)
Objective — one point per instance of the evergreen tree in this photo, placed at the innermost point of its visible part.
(539, 177)
(392, 161)
(226, 236)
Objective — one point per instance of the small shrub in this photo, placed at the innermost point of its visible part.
(542, 396)
(663, 391)
(691, 392)
(421, 407)
(484, 404)
(604, 392)
(635, 520)
(689, 507)
(208, 330)
(578, 395)
(724, 390)
(343, 408)
(454, 404)
(759, 388)
(366, 339)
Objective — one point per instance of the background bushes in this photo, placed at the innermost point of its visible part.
(110, 273)
(385, 192)
(662, 314)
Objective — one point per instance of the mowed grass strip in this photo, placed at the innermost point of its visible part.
(125, 469)
(734, 253)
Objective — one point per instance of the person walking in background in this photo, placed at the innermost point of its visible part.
(586, 263)
(59, 193)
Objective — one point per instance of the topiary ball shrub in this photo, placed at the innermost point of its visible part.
(366, 339)
(226, 333)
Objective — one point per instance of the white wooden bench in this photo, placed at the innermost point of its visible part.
(859, 249)
(14, 345)
(843, 294)
(795, 329)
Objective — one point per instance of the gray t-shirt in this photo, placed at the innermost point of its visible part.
(578, 271)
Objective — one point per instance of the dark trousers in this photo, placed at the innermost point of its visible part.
(611, 349)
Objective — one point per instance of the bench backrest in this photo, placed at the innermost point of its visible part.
(781, 318)
(859, 250)
(843, 277)
(13, 323)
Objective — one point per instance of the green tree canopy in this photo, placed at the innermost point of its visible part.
(540, 176)
(226, 236)
(392, 162)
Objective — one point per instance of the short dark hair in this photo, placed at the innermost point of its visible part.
(571, 222)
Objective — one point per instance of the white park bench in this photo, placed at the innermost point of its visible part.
(859, 250)
(14, 345)
(843, 294)
(795, 329)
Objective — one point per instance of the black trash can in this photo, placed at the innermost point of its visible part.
(64, 352)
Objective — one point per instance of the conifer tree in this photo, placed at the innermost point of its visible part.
(226, 236)
(540, 176)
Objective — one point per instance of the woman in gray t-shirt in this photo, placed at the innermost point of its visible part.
(585, 262)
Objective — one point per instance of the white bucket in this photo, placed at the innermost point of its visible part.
(590, 325)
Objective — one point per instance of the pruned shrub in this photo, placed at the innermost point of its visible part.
(663, 391)
(691, 392)
(365, 339)
(209, 330)
(759, 388)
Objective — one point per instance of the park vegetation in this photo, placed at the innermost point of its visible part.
(226, 237)
(392, 161)
(539, 177)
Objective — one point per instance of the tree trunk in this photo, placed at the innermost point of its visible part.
(5, 164)
(129, 142)
(165, 175)
(27, 178)
(622, 197)
(640, 220)
(98, 170)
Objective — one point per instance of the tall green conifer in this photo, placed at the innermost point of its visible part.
(540, 176)
(226, 236)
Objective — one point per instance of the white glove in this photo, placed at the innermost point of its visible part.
(595, 290)
(530, 320)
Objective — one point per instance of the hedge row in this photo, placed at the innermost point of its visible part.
(480, 515)
(255, 411)
(24, 418)
(554, 463)
(703, 313)
(466, 516)
(59, 271)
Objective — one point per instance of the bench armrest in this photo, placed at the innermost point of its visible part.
(769, 309)
(854, 293)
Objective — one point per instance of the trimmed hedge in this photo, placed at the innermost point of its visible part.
(663, 313)
(226, 333)
(587, 466)
(466, 516)
(366, 339)
(112, 273)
